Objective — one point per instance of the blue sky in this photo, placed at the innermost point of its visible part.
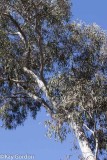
(30, 138)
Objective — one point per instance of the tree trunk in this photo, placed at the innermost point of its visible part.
(83, 143)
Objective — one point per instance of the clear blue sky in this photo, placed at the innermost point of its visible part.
(30, 138)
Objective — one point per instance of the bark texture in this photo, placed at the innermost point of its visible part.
(83, 143)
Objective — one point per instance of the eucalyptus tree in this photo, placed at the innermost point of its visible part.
(48, 61)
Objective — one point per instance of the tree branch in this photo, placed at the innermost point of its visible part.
(20, 33)
(96, 147)
(14, 80)
(38, 31)
(41, 85)
(96, 139)
(35, 97)
(88, 128)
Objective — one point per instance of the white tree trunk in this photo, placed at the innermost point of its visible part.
(83, 143)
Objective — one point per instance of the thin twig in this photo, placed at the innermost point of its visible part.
(88, 128)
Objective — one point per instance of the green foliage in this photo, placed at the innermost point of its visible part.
(14, 113)
(22, 25)
(69, 59)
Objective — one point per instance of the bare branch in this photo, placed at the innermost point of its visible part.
(17, 81)
(35, 97)
(38, 31)
(14, 80)
(41, 85)
(96, 147)
(20, 33)
(88, 128)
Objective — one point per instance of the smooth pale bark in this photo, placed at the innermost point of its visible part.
(83, 143)
(41, 85)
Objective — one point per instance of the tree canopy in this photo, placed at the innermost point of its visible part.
(46, 59)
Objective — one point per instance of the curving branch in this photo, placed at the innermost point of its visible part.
(88, 128)
(20, 31)
(37, 98)
(41, 85)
